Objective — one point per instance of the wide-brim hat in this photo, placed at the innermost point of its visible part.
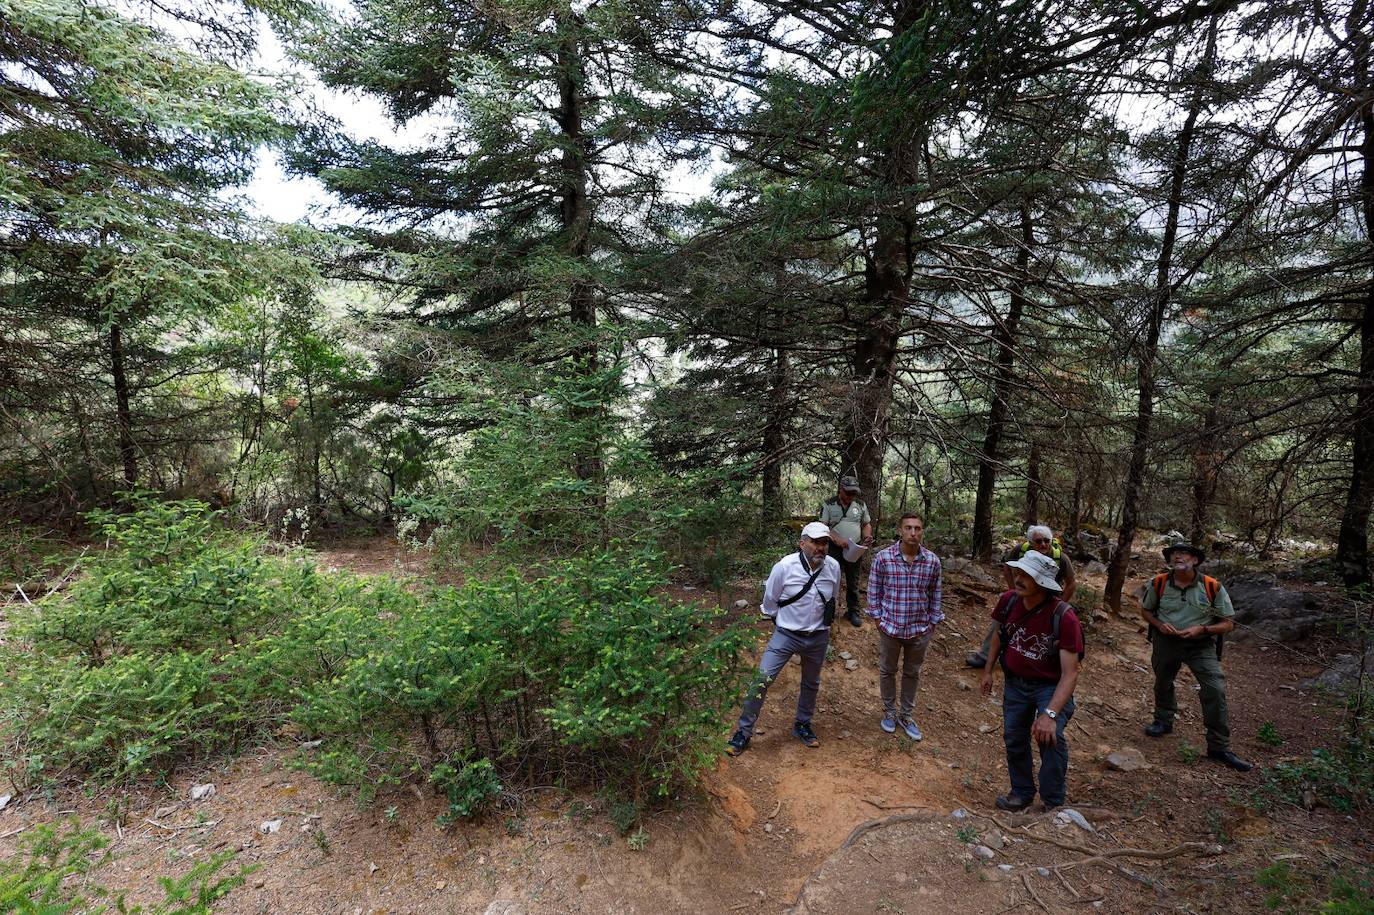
(1040, 567)
(1169, 551)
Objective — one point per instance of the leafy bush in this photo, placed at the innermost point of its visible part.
(182, 640)
(586, 666)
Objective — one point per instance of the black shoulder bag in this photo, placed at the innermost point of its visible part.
(828, 602)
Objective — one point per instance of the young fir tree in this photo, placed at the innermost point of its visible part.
(114, 239)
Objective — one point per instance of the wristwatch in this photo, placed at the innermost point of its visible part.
(1050, 714)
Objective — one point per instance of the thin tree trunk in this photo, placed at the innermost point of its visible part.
(1352, 546)
(1033, 485)
(1154, 322)
(989, 459)
(1205, 472)
(128, 452)
(774, 432)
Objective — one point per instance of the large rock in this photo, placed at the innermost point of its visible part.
(967, 567)
(1095, 568)
(1343, 672)
(1265, 610)
(1127, 759)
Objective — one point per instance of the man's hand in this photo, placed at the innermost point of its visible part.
(1044, 731)
(839, 540)
(1193, 632)
(1166, 628)
(985, 687)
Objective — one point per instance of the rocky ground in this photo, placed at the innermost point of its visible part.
(867, 822)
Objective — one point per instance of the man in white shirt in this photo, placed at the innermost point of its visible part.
(800, 598)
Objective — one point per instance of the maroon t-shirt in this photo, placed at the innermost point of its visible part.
(1031, 630)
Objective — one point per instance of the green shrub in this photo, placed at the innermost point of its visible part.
(50, 875)
(182, 640)
(470, 789)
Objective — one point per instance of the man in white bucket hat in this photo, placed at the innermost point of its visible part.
(1039, 643)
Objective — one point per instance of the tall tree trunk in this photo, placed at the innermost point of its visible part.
(576, 213)
(1033, 485)
(989, 458)
(1075, 524)
(774, 432)
(128, 451)
(887, 282)
(1352, 546)
(1149, 347)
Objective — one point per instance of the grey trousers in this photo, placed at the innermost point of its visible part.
(912, 653)
(780, 649)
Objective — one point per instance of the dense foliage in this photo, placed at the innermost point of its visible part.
(182, 639)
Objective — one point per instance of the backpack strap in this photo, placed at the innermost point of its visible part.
(1160, 581)
(1059, 610)
(1211, 586)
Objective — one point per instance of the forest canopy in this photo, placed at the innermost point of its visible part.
(625, 268)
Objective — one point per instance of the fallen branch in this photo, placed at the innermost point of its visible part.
(1026, 882)
(859, 831)
(205, 825)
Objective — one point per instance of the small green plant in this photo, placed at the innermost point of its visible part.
(471, 789)
(966, 834)
(624, 814)
(1188, 753)
(638, 840)
(1215, 819)
(1269, 735)
(392, 815)
(321, 840)
(1277, 881)
(50, 875)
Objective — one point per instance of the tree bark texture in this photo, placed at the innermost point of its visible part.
(1032, 515)
(990, 457)
(1149, 345)
(775, 431)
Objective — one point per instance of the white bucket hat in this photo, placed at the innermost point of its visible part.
(1040, 567)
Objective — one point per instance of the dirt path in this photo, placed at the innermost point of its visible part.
(778, 816)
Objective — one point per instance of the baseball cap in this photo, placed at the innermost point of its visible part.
(850, 484)
(816, 531)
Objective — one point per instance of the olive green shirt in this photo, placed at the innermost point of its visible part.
(1183, 608)
(847, 522)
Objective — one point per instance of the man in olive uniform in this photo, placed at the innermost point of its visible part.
(847, 517)
(1187, 612)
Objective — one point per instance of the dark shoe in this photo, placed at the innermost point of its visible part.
(976, 660)
(737, 744)
(853, 617)
(1158, 729)
(1013, 802)
(1226, 757)
(802, 731)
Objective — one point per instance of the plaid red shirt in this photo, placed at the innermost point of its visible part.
(904, 595)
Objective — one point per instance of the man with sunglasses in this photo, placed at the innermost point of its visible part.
(1040, 538)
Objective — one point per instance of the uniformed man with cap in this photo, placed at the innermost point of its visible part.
(799, 597)
(1187, 614)
(847, 517)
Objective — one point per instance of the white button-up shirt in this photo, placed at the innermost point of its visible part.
(788, 577)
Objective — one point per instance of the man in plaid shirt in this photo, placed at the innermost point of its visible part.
(904, 598)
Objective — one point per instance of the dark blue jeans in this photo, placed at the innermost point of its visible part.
(1022, 700)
